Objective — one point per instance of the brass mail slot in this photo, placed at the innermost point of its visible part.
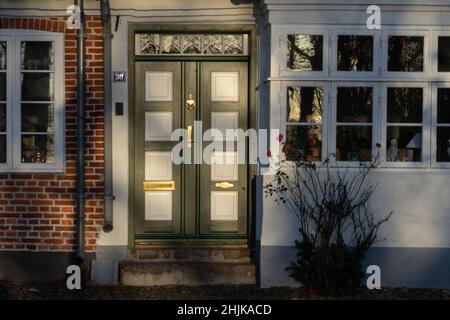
(224, 185)
(159, 185)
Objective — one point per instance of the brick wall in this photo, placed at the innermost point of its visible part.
(37, 211)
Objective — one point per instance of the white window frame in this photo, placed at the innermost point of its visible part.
(434, 126)
(375, 117)
(426, 110)
(399, 75)
(14, 123)
(9, 97)
(355, 74)
(325, 123)
(434, 56)
(283, 53)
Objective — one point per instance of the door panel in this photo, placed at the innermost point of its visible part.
(189, 201)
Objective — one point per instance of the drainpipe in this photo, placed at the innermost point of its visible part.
(81, 96)
(108, 193)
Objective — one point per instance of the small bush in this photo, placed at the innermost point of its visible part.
(336, 224)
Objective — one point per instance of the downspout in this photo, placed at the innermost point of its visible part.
(81, 96)
(108, 193)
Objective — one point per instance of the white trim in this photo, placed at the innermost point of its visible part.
(426, 110)
(376, 63)
(281, 39)
(434, 126)
(426, 54)
(375, 117)
(15, 164)
(325, 116)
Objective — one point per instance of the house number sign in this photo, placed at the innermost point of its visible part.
(119, 76)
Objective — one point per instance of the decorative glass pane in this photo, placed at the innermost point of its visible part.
(37, 117)
(305, 104)
(443, 106)
(37, 86)
(2, 117)
(148, 43)
(171, 43)
(404, 143)
(354, 143)
(2, 148)
(305, 52)
(38, 149)
(354, 104)
(233, 44)
(192, 43)
(2, 55)
(443, 144)
(303, 143)
(212, 44)
(443, 54)
(405, 53)
(404, 105)
(37, 55)
(2, 86)
(355, 53)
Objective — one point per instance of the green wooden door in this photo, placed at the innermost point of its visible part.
(189, 201)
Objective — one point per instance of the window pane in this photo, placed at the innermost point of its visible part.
(192, 43)
(404, 105)
(37, 117)
(354, 143)
(2, 86)
(405, 53)
(305, 104)
(355, 53)
(37, 86)
(171, 43)
(354, 104)
(212, 44)
(2, 117)
(404, 143)
(443, 54)
(305, 52)
(303, 143)
(38, 149)
(37, 55)
(148, 43)
(2, 55)
(443, 144)
(233, 44)
(2, 148)
(443, 106)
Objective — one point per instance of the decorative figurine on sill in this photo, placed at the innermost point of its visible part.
(392, 152)
(38, 157)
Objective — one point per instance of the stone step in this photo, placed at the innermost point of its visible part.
(150, 273)
(160, 253)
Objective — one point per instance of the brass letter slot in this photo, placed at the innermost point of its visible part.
(159, 185)
(224, 185)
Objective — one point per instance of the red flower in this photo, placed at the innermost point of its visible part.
(280, 137)
(269, 153)
(312, 142)
(286, 149)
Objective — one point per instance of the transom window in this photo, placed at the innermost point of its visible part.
(31, 119)
(191, 44)
(389, 88)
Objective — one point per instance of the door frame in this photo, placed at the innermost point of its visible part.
(250, 29)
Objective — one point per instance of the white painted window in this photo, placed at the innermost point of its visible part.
(405, 72)
(31, 101)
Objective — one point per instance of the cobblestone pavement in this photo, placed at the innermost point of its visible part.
(245, 292)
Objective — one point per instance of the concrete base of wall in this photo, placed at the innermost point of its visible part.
(105, 267)
(34, 267)
(400, 267)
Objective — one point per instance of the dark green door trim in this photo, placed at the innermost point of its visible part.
(250, 29)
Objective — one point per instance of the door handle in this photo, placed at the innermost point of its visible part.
(190, 102)
(189, 130)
